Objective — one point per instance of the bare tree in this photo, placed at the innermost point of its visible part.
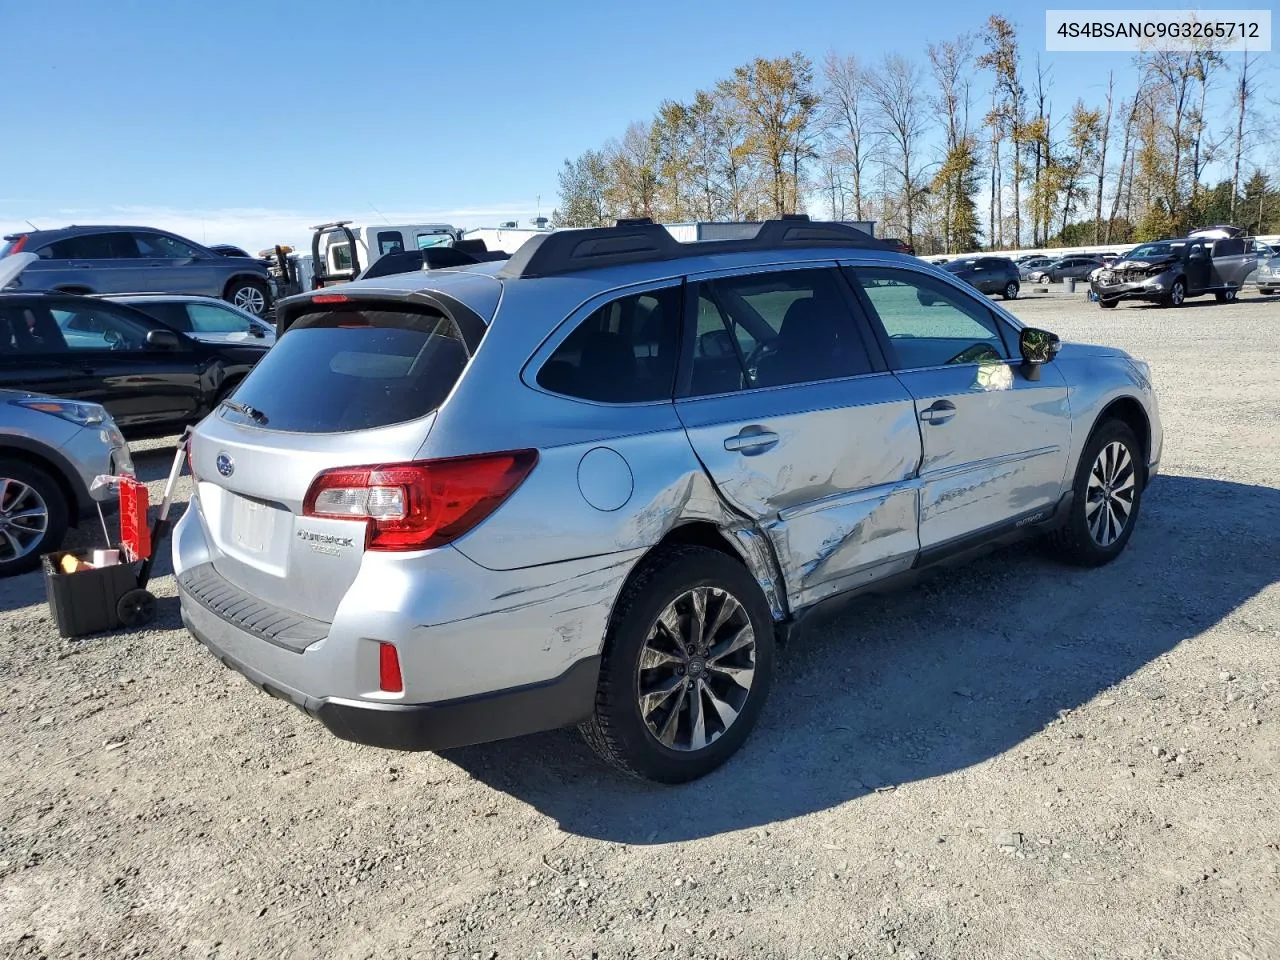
(844, 115)
(1243, 94)
(895, 91)
(1102, 160)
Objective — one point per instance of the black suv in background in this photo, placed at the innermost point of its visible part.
(153, 380)
(997, 275)
(101, 259)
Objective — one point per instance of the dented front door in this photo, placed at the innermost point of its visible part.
(824, 464)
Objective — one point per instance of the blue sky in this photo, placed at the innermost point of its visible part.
(246, 121)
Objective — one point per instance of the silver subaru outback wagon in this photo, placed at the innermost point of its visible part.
(596, 483)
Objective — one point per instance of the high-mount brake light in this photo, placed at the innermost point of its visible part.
(331, 298)
(421, 504)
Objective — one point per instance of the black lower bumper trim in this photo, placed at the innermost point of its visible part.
(566, 700)
(513, 712)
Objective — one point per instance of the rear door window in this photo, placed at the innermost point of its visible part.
(624, 352)
(94, 246)
(209, 318)
(354, 369)
(390, 241)
(170, 314)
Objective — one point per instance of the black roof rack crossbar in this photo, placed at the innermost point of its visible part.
(569, 251)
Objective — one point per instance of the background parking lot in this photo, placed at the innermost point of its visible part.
(1017, 759)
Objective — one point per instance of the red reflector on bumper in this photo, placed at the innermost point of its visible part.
(389, 679)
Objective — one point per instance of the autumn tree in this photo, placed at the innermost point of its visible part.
(1007, 112)
(634, 164)
(777, 103)
(1082, 152)
(584, 187)
(956, 180)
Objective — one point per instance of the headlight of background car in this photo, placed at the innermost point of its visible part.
(85, 414)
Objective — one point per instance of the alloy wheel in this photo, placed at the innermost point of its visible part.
(696, 668)
(1177, 294)
(250, 299)
(1109, 497)
(24, 519)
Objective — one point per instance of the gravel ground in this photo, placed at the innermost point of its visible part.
(1015, 760)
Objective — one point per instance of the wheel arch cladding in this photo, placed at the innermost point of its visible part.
(751, 550)
(1129, 412)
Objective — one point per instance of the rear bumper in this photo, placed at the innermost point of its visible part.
(484, 654)
(560, 702)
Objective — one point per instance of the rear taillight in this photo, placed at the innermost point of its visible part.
(419, 505)
(16, 246)
(389, 678)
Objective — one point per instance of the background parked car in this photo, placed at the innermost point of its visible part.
(1067, 268)
(1169, 271)
(152, 379)
(101, 259)
(202, 318)
(50, 451)
(996, 275)
(1029, 265)
(1267, 274)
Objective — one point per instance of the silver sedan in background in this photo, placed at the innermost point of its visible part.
(50, 451)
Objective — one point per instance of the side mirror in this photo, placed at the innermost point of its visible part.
(163, 340)
(1037, 347)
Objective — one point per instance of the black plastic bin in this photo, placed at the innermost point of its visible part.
(87, 601)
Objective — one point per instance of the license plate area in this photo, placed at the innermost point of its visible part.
(256, 532)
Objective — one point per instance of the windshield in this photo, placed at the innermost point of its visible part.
(955, 266)
(1150, 251)
(342, 370)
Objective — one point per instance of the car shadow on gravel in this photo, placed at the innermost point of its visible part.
(954, 672)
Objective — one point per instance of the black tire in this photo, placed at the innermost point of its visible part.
(1073, 541)
(1011, 290)
(1225, 296)
(617, 731)
(249, 294)
(1177, 294)
(136, 608)
(1107, 304)
(57, 512)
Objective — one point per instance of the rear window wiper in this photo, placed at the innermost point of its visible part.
(254, 414)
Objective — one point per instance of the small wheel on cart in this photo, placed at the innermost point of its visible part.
(136, 608)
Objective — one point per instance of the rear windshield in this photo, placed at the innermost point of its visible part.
(342, 370)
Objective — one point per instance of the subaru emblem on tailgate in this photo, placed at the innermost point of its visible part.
(226, 466)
